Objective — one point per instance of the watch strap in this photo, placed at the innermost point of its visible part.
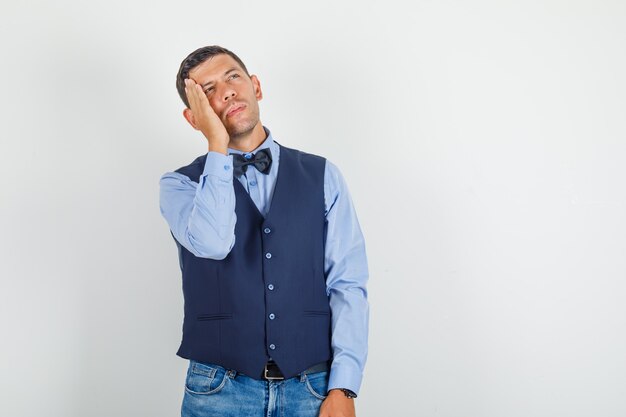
(348, 393)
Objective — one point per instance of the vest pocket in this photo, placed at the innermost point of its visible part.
(315, 313)
(217, 316)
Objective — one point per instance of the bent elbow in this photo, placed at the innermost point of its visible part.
(218, 251)
(219, 255)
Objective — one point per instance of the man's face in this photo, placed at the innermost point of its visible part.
(231, 93)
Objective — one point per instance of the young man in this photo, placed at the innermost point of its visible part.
(272, 257)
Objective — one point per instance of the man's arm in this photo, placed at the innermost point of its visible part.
(202, 215)
(346, 277)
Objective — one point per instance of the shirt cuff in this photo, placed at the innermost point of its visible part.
(344, 377)
(219, 165)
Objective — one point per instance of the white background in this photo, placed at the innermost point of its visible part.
(483, 143)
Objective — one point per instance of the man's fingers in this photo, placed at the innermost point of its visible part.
(201, 98)
(198, 101)
(191, 95)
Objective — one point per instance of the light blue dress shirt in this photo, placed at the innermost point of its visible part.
(202, 218)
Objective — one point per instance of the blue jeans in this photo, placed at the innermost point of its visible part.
(213, 391)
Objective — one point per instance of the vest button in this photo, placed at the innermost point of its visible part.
(270, 287)
(272, 346)
(268, 255)
(272, 316)
(267, 230)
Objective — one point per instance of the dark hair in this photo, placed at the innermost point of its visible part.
(196, 58)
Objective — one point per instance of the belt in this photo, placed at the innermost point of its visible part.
(272, 372)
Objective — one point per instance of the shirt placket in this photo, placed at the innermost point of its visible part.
(253, 187)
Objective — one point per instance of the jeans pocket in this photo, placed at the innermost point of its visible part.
(205, 378)
(317, 384)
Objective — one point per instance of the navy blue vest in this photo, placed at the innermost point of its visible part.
(268, 297)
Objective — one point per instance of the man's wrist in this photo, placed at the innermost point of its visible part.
(220, 148)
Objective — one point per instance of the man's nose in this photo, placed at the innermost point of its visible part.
(228, 94)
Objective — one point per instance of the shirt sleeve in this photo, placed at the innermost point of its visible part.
(202, 215)
(346, 277)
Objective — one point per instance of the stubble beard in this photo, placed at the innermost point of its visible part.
(244, 127)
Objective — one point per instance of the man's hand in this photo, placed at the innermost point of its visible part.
(337, 405)
(205, 119)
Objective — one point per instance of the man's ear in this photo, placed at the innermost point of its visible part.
(256, 84)
(188, 114)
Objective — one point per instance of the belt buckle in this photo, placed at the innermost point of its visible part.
(268, 376)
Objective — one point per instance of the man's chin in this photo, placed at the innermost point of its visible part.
(240, 130)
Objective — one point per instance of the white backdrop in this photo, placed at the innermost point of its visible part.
(483, 143)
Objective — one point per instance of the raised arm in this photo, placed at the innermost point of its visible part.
(201, 214)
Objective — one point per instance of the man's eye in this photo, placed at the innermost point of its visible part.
(234, 76)
(208, 90)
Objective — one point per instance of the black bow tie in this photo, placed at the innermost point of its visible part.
(262, 160)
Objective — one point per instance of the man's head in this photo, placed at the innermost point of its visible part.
(231, 91)
(196, 58)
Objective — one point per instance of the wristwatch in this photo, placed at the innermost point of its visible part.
(348, 393)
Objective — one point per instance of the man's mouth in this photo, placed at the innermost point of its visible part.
(235, 109)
